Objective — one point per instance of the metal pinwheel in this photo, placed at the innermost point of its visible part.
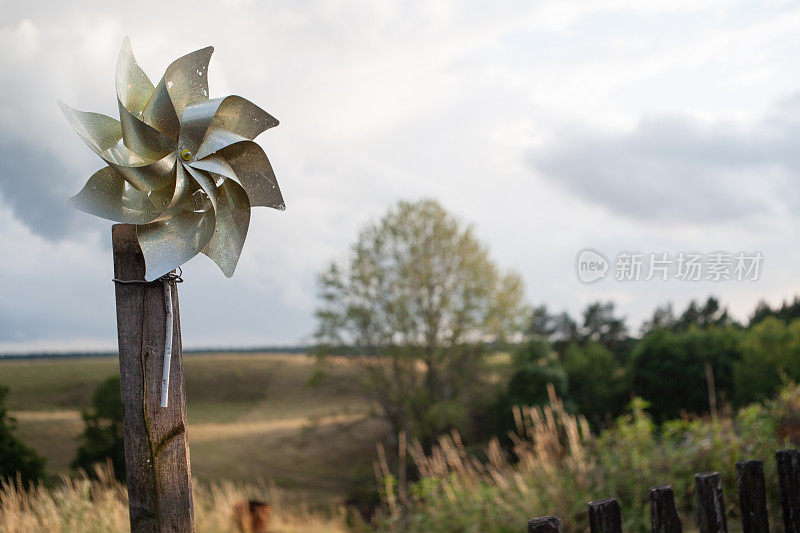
(182, 167)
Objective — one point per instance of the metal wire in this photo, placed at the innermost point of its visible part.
(170, 277)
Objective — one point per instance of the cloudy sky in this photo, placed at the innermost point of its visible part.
(660, 126)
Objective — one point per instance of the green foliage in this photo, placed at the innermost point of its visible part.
(16, 459)
(534, 366)
(597, 384)
(787, 312)
(770, 356)
(670, 369)
(601, 326)
(102, 437)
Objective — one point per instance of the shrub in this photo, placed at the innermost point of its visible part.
(17, 461)
(102, 437)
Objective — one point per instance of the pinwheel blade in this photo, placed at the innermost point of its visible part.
(215, 164)
(106, 195)
(235, 120)
(232, 221)
(100, 132)
(255, 173)
(187, 79)
(160, 113)
(216, 140)
(150, 176)
(142, 138)
(195, 122)
(168, 244)
(206, 182)
(181, 196)
(134, 88)
(103, 135)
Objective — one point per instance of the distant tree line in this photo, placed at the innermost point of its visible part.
(694, 362)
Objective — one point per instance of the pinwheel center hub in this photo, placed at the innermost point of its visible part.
(186, 155)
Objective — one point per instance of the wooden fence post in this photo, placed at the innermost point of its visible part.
(710, 505)
(752, 496)
(789, 476)
(605, 516)
(156, 445)
(545, 524)
(663, 514)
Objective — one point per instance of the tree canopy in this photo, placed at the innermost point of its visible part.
(416, 301)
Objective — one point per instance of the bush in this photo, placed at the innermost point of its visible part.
(102, 437)
(770, 355)
(17, 461)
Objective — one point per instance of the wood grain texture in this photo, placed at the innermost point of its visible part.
(605, 516)
(663, 514)
(789, 479)
(710, 503)
(156, 443)
(752, 496)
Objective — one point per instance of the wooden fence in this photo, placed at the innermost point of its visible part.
(605, 515)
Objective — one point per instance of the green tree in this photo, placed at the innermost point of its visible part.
(15, 457)
(674, 371)
(787, 312)
(597, 386)
(711, 313)
(102, 437)
(663, 317)
(600, 324)
(416, 302)
(542, 324)
(534, 366)
(770, 356)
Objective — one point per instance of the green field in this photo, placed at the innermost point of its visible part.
(277, 418)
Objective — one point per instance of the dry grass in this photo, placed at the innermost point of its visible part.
(551, 472)
(83, 505)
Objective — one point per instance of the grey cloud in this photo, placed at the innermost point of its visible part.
(680, 169)
(34, 186)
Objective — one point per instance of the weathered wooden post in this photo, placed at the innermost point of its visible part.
(156, 445)
(789, 478)
(182, 174)
(710, 503)
(605, 516)
(663, 514)
(752, 496)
